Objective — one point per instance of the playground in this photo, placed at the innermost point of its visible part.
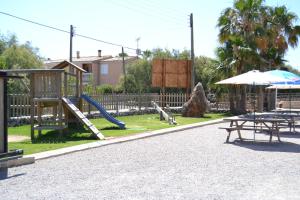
(55, 103)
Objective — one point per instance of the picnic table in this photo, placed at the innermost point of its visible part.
(290, 118)
(267, 124)
(286, 110)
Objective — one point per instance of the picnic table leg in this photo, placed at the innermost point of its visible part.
(293, 124)
(271, 132)
(229, 132)
(238, 130)
(277, 132)
(294, 127)
(228, 136)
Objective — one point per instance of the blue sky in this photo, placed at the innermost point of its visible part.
(158, 23)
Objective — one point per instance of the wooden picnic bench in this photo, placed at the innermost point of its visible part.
(270, 125)
(289, 119)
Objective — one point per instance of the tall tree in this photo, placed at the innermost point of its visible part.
(276, 34)
(16, 56)
(237, 27)
(254, 36)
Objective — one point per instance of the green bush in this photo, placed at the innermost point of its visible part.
(105, 89)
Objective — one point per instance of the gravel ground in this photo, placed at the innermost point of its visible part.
(191, 164)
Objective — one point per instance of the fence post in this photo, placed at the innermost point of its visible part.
(89, 108)
(8, 106)
(139, 102)
(117, 103)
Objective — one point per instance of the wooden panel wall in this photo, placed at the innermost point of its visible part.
(171, 73)
(46, 84)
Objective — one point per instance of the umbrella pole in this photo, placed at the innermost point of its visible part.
(276, 98)
(290, 101)
(254, 111)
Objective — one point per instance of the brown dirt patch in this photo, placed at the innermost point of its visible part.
(17, 138)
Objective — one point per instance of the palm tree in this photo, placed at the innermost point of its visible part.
(259, 37)
(237, 30)
(277, 33)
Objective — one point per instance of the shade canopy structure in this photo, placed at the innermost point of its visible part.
(292, 82)
(292, 78)
(253, 77)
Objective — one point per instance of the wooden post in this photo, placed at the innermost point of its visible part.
(140, 103)
(39, 117)
(60, 109)
(3, 134)
(192, 53)
(163, 104)
(65, 84)
(80, 91)
(32, 105)
(77, 84)
(60, 121)
(117, 103)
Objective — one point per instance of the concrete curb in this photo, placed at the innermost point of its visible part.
(17, 162)
(67, 150)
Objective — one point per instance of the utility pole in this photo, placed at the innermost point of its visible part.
(192, 53)
(71, 42)
(138, 51)
(124, 70)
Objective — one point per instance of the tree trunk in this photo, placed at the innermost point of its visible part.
(240, 94)
(272, 100)
(231, 99)
(237, 99)
(260, 99)
(243, 99)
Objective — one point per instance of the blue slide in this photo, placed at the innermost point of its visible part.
(103, 111)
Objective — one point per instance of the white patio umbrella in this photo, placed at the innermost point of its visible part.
(254, 78)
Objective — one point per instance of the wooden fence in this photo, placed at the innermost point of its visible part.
(19, 104)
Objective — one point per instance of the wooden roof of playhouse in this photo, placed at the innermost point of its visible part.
(65, 64)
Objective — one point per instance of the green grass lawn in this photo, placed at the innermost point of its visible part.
(50, 140)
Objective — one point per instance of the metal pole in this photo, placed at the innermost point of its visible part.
(124, 70)
(137, 47)
(71, 42)
(192, 53)
(5, 115)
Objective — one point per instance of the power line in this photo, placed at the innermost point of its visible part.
(171, 11)
(36, 23)
(64, 31)
(147, 12)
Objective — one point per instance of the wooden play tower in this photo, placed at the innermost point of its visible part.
(46, 92)
(57, 90)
